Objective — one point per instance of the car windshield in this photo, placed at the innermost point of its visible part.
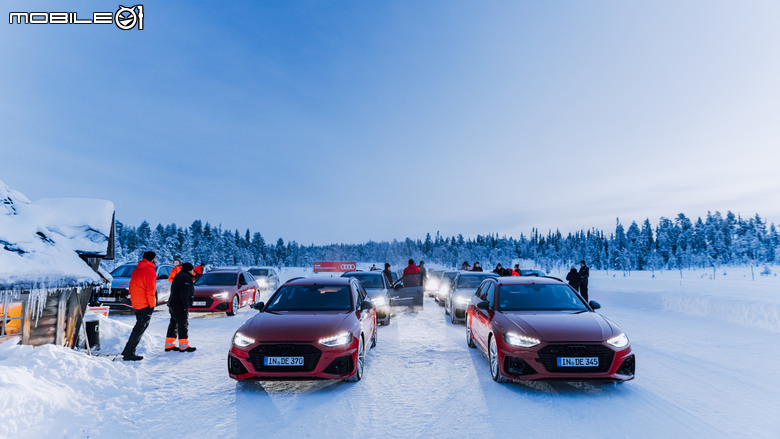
(472, 280)
(221, 279)
(539, 297)
(311, 298)
(369, 280)
(123, 271)
(259, 272)
(530, 272)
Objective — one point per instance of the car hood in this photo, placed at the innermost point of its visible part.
(283, 326)
(376, 292)
(120, 282)
(559, 326)
(208, 290)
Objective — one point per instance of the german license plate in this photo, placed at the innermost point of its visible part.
(578, 361)
(105, 299)
(198, 303)
(283, 361)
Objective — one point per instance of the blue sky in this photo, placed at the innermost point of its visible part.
(346, 121)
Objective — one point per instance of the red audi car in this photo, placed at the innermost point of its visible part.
(224, 290)
(535, 328)
(311, 328)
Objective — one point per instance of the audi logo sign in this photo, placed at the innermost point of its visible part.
(334, 266)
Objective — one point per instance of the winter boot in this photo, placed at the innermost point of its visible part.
(169, 344)
(184, 346)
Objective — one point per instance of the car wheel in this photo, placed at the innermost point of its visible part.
(234, 306)
(469, 337)
(360, 362)
(440, 302)
(447, 307)
(495, 371)
(453, 319)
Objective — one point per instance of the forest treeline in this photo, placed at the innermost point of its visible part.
(675, 243)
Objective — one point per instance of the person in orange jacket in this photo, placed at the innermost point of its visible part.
(176, 269)
(143, 289)
(198, 271)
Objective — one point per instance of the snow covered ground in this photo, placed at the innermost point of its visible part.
(707, 353)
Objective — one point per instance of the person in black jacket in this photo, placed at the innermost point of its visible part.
(388, 274)
(573, 278)
(584, 273)
(182, 291)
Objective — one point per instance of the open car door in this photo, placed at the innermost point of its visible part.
(407, 294)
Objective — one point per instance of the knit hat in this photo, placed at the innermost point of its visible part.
(186, 267)
(149, 256)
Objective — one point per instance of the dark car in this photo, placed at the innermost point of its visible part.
(267, 277)
(224, 290)
(311, 328)
(117, 295)
(462, 289)
(539, 328)
(376, 287)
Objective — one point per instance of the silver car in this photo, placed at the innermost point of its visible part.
(117, 295)
(376, 287)
(463, 288)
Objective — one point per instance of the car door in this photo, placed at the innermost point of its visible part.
(252, 287)
(407, 292)
(243, 289)
(484, 316)
(163, 286)
(366, 317)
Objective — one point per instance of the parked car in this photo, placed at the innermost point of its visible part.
(224, 290)
(532, 272)
(376, 287)
(540, 328)
(117, 295)
(459, 295)
(312, 328)
(445, 283)
(267, 277)
(432, 282)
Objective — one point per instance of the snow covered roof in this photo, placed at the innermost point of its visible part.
(40, 242)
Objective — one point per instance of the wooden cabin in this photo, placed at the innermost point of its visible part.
(50, 253)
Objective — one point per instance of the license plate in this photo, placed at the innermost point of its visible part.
(283, 361)
(105, 299)
(199, 303)
(578, 361)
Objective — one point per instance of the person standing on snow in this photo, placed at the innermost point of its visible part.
(198, 271)
(409, 279)
(176, 269)
(143, 289)
(388, 274)
(465, 266)
(423, 272)
(574, 279)
(499, 270)
(182, 292)
(476, 267)
(584, 273)
(517, 270)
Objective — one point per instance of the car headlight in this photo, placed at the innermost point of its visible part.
(433, 284)
(242, 340)
(337, 340)
(222, 295)
(263, 283)
(379, 301)
(520, 340)
(619, 341)
(461, 300)
(444, 289)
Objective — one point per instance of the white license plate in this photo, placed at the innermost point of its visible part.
(578, 361)
(283, 361)
(106, 299)
(199, 303)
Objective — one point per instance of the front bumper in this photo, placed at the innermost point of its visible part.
(212, 304)
(320, 362)
(115, 298)
(540, 362)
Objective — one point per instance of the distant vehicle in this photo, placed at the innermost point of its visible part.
(376, 287)
(433, 282)
(533, 329)
(460, 293)
(532, 272)
(117, 295)
(445, 283)
(311, 328)
(224, 290)
(267, 277)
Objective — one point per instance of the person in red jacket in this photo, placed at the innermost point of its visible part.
(143, 289)
(176, 269)
(410, 280)
(198, 271)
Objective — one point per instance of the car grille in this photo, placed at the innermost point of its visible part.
(548, 356)
(209, 301)
(310, 354)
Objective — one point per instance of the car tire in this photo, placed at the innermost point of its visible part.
(495, 369)
(453, 320)
(446, 307)
(440, 302)
(469, 335)
(233, 306)
(361, 361)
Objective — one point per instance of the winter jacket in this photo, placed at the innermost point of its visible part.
(143, 285)
(476, 268)
(388, 276)
(182, 291)
(174, 272)
(574, 279)
(411, 269)
(584, 273)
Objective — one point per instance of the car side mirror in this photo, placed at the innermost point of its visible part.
(594, 304)
(366, 305)
(483, 305)
(258, 306)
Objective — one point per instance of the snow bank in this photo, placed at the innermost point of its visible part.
(40, 241)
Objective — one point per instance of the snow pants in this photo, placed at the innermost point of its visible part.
(142, 317)
(179, 323)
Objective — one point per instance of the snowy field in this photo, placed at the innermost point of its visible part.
(707, 353)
